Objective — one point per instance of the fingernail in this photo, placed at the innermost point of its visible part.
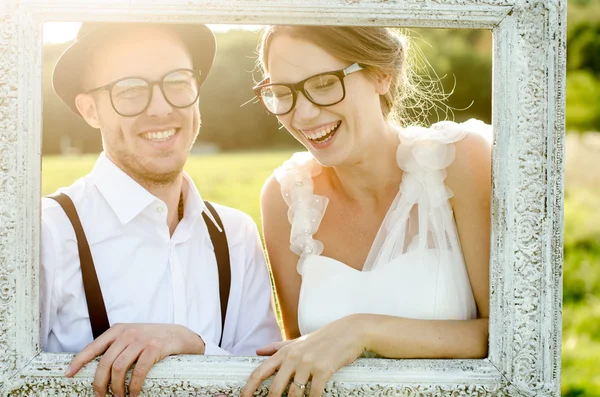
(68, 371)
(96, 394)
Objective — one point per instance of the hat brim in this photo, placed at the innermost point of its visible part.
(67, 78)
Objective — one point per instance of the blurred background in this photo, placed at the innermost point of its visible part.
(240, 145)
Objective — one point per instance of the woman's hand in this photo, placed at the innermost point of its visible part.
(317, 355)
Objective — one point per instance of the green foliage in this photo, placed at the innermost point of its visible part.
(462, 59)
(584, 47)
(231, 118)
(58, 122)
(581, 276)
(581, 349)
(583, 101)
(582, 11)
(582, 246)
(583, 66)
(582, 208)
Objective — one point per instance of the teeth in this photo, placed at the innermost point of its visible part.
(321, 132)
(326, 139)
(159, 136)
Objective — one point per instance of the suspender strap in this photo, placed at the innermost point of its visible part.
(219, 240)
(93, 294)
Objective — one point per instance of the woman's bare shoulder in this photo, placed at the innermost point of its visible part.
(471, 169)
(271, 197)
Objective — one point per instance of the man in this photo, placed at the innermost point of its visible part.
(144, 221)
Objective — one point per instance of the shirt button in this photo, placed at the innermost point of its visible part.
(159, 209)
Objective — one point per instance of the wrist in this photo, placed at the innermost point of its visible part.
(363, 324)
(199, 343)
(191, 342)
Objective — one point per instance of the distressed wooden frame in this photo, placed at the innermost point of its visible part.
(527, 210)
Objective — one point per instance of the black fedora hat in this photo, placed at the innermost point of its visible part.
(69, 70)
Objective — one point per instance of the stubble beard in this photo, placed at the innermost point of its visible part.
(132, 165)
(148, 178)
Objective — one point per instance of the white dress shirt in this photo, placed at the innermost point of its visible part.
(146, 275)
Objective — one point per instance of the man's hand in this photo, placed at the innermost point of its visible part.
(273, 348)
(126, 344)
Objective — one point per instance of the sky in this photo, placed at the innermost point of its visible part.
(59, 32)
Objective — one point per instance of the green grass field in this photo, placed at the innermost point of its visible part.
(236, 180)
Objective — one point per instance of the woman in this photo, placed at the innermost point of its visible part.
(378, 237)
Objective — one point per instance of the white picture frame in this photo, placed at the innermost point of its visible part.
(527, 208)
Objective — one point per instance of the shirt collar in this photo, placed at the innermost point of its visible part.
(128, 199)
(124, 195)
(194, 204)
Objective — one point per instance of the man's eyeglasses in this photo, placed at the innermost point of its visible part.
(131, 96)
(323, 89)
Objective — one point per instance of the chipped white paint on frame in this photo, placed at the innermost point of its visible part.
(526, 260)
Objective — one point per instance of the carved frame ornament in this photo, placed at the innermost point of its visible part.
(527, 209)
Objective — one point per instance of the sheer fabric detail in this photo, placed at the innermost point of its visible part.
(420, 217)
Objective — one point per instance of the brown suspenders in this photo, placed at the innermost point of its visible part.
(219, 240)
(93, 293)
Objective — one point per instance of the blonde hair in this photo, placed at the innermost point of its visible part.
(382, 52)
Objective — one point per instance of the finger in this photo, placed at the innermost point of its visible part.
(317, 385)
(301, 377)
(268, 350)
(262, 372)
(271, 348)
(103, 371)
(149, 357)
(282, 378)
(91, 351)
(120, 367)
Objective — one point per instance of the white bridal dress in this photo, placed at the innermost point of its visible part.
(415, 267)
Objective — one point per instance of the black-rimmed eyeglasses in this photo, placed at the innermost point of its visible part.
(131, 96)
(323, 89)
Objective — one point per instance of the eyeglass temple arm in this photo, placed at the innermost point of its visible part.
(352, 68)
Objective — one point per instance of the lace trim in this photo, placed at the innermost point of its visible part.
(306, 209)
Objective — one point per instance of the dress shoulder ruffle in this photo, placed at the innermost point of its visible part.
(306, 209)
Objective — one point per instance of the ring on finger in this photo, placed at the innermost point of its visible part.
(302, 386)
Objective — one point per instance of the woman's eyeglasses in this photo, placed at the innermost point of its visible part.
(323, 89)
